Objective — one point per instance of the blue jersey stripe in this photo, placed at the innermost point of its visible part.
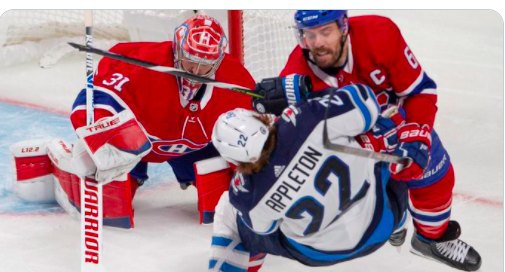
(431, 218)
(226, 267)
(358, 101)
(224, 242)
(426, 83)
(372, 96)
(100, 98)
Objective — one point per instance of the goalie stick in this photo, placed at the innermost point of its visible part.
(358, 151)
(166, 70)
(91, 190)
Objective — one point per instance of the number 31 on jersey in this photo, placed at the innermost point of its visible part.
(117, 80)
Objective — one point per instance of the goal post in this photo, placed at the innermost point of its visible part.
(236, 34)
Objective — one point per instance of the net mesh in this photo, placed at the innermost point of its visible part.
(268, 40)
(28, 34)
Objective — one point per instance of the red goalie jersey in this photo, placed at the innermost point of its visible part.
(175, 126)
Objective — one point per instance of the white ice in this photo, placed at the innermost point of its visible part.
(461, 50)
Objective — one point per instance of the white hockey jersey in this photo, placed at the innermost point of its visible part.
(328, 205)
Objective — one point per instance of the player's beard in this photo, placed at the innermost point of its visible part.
(329, 59)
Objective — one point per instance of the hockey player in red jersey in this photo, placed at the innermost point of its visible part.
(336, 51)
(143, 116)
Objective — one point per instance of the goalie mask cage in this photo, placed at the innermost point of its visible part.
(261, 39)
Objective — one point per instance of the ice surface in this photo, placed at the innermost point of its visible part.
(461, 50)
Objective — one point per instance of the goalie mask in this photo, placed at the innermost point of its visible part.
(199, 47)
(239, 136)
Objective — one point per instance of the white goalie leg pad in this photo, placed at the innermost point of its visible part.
(116, 144)
(63, 200)
(211, 165)
(33, 179)
(82, 164)
(60, 153)
(227, 251)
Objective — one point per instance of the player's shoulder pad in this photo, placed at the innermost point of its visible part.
(157, 52)
(378, 28)
(107, 65)
(147, 51)
(296, 64)
(232, 71)
(128, 48)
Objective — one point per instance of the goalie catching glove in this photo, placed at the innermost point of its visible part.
(116, 144)
(281, 92)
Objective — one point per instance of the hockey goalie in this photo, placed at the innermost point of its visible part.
(143, 117)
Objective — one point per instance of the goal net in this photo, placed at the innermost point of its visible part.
(264, 40)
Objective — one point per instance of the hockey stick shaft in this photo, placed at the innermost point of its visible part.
(91, 191)
(167, 70)
(364, 153)
(357, 151)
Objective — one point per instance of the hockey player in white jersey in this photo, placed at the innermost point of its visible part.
(292, 197)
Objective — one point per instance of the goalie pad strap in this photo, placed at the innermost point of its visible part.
(32, 167)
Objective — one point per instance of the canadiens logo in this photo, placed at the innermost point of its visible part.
(289, 114)
(385, 98)
(238, 183)
(176, 148)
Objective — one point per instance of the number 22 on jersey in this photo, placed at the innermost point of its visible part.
(333, 172)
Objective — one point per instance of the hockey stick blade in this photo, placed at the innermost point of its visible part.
(167, 70)
(357, 151)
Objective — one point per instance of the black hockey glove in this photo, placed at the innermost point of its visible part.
(280, 92)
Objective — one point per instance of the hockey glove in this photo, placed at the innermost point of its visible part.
(383, 135)
(116, 144)
(414, 142)
(281, 92)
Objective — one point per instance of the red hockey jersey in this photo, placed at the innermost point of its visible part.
(174, 125)
(380, 58)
